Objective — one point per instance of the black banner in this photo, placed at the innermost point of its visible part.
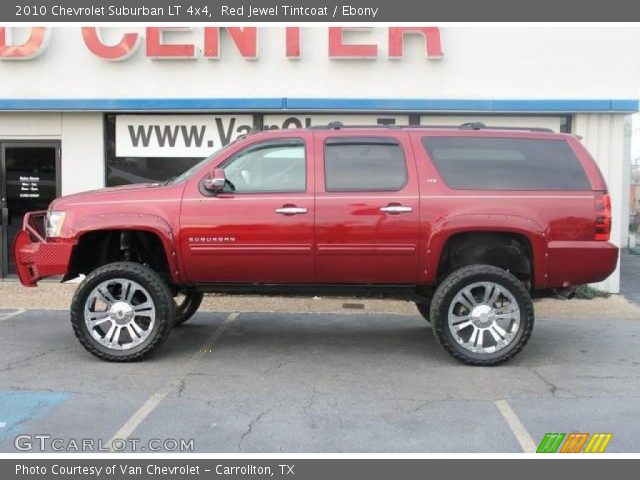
(299, 11)
(315, 469)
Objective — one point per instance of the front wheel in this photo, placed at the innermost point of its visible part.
(122, 312)
(482, 315)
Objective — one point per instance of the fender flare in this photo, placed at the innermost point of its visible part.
(133, 221)
(445, 228)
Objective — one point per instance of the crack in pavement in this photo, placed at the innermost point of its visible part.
(610, 377)
(250, 429)
(271, 369)
(181, 386)
(16, 363)
(553, 388)
(311, 400)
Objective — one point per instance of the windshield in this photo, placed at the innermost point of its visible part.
(187, 173)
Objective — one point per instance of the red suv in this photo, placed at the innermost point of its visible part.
(467, 222)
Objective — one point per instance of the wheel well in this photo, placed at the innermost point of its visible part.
(98, 248)
(509, 251)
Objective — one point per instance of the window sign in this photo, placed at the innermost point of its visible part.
(171, 136)
(29, 187)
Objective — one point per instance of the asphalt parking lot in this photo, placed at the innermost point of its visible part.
(271, 382)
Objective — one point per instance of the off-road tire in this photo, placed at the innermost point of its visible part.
(449, 288)
(155, 286)
(188, 307)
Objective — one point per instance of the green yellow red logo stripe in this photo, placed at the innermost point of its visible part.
(598, 443)
(574, 443)
(550, 443)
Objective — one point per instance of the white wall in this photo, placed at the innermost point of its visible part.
(478, 63)
(604, 137)
(82, 152)
(30, 126)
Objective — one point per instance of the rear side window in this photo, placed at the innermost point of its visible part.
(364, 164)
(506, 163)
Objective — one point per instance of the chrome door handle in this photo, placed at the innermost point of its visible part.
(291, 210)
(396, 209)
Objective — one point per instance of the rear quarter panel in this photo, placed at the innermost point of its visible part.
(544, 218)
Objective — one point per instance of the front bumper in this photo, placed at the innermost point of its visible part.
(35, 257)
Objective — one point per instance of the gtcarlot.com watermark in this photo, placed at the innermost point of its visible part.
(44, 442)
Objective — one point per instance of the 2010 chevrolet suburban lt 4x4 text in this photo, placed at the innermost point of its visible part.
(467, 222)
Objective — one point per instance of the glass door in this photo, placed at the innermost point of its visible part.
(29, 180)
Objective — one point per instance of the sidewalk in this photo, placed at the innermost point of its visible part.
(55, 296)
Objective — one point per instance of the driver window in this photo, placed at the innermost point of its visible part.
(268, 167)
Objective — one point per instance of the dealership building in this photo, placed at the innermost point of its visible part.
(83, 108)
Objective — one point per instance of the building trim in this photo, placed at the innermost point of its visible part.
(465, 105)
(322, 104)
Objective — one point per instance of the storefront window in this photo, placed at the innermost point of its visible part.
(123, 170)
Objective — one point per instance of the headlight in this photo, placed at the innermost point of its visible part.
(54, 223)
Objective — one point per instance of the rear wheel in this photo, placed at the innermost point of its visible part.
(482, 315)
(187, 304)
(122, 312)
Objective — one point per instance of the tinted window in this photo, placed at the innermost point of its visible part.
(277, 166)
(506, 163)
(373, 164)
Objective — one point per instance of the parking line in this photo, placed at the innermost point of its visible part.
(516, 426)
(154, 400)
(4, 317)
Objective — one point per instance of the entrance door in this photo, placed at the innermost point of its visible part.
(29, 180)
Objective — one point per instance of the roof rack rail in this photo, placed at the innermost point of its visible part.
(480, 126)
(472, 126)
(464, 126)
(340, 126)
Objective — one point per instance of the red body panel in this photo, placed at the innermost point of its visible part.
(539, 216)
(574, 263)
(343, 238)
(239, 237)
(355, 241)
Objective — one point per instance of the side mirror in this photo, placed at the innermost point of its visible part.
(216, 180)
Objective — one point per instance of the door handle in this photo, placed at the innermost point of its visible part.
(396, 209)
(291, 210)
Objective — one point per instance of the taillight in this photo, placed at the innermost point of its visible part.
(603, 217)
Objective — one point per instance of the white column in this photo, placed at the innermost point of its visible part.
(604, 136)
(82, 152)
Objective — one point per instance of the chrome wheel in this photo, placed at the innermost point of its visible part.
(119, 314)
(484, 317)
